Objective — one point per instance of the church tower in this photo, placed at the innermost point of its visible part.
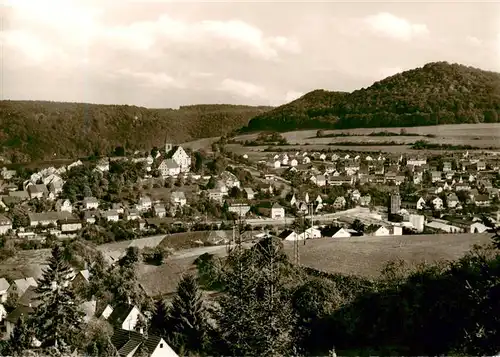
(168, 147)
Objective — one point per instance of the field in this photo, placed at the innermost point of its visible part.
(476, 135)
(366, 256)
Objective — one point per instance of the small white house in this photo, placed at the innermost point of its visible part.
(478, 227)
(4, 288)
(421, 203)
(90, 203)
(437, 203)
(5, 224)
(310, 233)
(64, 206)
(178, 198)
(277, 211)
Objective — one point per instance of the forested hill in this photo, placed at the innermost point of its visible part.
(35, 130)
(438, 93)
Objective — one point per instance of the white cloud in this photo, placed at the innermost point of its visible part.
(242, 88)
(389, 71)
(292, 95)
(389, 25)
(149, 79)
(474, 41)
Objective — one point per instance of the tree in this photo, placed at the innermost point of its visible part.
(255, 315)
(21, 338)
(159, 320)
(58, 318)
(358, 226)
(187, 318)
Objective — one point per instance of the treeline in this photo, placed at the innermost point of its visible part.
(36, 130)
(321, 134)
(438, 93)
(425, 145)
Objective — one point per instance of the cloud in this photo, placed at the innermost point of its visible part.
(292, 95)
(149, 79)
(474, 41)
(242, 88)
(389, 25)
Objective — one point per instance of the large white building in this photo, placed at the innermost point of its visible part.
(179, 156)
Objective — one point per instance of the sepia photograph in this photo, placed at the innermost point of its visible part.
(249, 178)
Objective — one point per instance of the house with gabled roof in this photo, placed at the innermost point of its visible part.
(90, 203)
(249, 192)
(169, 167)
(5, 224)
(37, 191)
(64, 206)
(125, 316)
(289, 235)
(179, 156)
(4, 288)
(277, 211)
(128, 343)
(19, 286)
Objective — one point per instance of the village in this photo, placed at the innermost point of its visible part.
(294, 195)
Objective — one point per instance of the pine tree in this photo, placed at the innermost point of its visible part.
(187, 318)
(159, 320)
(58, 318)
(21, 338)
(255, 316)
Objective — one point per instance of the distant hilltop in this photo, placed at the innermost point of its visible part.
(437, 93)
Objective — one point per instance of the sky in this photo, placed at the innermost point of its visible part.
(165, 54)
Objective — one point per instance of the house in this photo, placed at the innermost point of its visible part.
(169, 167)
(241, 209)
(19, 286)
(417, 221)
(289, 235)
(310, 233)
(481, 166)
(102, 165)
(229, 179)
(339, 203)
(5, 224)
(159, 211)
(384, 231)
(365, 200)
(277, 211)
(127, 343)
(90, 203)
(178, 198)
(452, 200)
(478, 227)
(70, 225)
(447, 166)
(38, 191)
(216, 195)
(64, 206)
(340, 180)
(47, 218)
(421, 203)
(12, 318)
(124, 316)
(81, 278)
(306, 160)
(133, 214)
(90, 216)
(462, 186)
(416, 161)
(4, 289)
(110, 215)
(144, 204)
(294, 163)
(482, 200)
(19, 195)
(319, 180)
(437, 203)
(250, 194)
(436, 176)
(178, 155)
(56, 186)
(438, 225)
(336, 232)
(277, 164)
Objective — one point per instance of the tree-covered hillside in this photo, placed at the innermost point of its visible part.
(35, 130)
(438, 93)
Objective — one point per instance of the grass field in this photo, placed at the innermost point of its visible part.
(366, 256)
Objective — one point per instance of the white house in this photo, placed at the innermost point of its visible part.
(340, 233)
(319, 180)
(478, 227)
(294, 162)
(421, 203)
(306, 160)
(277, 164)
(128, 343)
(384, 231)
(179, 156)
(160, 211)
(70, 225)
(178, 198)
(416, 161)
(64, 206)
(19, 286)
(437, 203)
(90, 203)
(47, 218)
(277, 211)
(452, 200)
(4, 288)
(111, 215)
(310, 233)
(417, 221)
(145, 203)
(249, 193)
(125, 317)
(5, 224)
(289, 235)
(169, 167)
